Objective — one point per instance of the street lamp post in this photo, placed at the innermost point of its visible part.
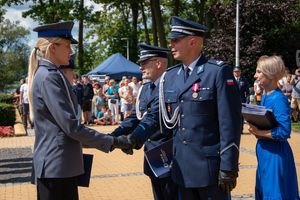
(127, 46)
(237, 39)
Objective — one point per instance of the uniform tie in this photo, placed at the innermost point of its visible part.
(186, 73)
(238, 81)
(152, 87)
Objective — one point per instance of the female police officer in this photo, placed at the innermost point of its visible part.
(58, 132)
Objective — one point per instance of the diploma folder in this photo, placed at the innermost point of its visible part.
(160, 159)
(84, 179)
(259, 116)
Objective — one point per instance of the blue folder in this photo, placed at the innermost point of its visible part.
(84, 179)
(160, 159)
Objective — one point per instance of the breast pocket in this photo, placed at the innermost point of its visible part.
(205, 95)
(203, 104)
(143, 105)
(171, 97)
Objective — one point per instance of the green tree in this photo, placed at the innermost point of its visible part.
(269, 27)
(155, 7)
(2, 13)
(105, 34)
(50, 11)
(14, 52)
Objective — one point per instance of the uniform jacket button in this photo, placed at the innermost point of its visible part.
(181, 101)
(182, 116)
(149, 140)
(183, 129)
(184, 142)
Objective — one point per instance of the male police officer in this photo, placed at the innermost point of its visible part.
(243, 86)
(200, 101)
(242, 83)
(143, 122)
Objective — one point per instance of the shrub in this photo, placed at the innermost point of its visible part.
(8, 114)
(6, 98)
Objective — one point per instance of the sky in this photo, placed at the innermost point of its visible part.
(14, 13)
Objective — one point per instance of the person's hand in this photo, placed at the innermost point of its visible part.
(259, 133)
(128, 151)
(252, 129)
(121, 142)
(136, 144)
(227, 180)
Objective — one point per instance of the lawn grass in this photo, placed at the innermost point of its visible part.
(296, 127)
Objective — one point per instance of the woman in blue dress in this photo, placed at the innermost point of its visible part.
(276, 177)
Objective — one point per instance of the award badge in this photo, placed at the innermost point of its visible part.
(195, 89)
(169, 108)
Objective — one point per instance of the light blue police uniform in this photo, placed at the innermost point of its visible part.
(58, 132)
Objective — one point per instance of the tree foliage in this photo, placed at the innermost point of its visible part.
(14, 52)
(104, 41)
(2, 12)
(266, 28)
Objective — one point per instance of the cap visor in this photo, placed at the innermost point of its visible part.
(143, 59)
(73, 41)
(174, 35)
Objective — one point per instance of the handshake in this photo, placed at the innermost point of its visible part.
(126, 142)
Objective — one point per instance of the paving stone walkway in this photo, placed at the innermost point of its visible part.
(115, 176)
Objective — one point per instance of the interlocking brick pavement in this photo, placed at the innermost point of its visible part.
(115, 176)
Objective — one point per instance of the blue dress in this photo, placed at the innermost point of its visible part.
(276, 177)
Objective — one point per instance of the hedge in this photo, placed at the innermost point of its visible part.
(6, 98)
(7, 114)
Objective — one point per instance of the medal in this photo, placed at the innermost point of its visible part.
(169, 108)
(195, 95)
(195, 89)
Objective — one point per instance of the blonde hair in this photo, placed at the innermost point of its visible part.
(41, 50)
(111, 82)
(272, 66)
(129, 88)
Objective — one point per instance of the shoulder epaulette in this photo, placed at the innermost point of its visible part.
(49, 68)
(217, 62)
(173, 67)
(52, 70)
(147, 83)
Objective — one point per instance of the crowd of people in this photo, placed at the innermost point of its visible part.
(196, 104)
(289, 85)
(106, 104)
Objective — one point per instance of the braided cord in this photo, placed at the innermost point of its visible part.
(162, 108)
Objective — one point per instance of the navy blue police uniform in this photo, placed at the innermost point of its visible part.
(243, 86)
(78, 90)
(143, 126)
(76, 87)
(205, 111)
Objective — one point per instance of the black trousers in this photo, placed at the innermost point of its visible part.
(204, 193)
(57, 189)
(25, 113)
(164, 189)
